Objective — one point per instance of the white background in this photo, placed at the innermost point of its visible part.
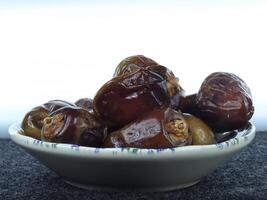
(68, 51)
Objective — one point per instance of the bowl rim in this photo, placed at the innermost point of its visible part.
(242, 139)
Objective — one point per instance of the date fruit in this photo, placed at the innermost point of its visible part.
(201, 133)
(135, 91)
(224, 101)
(133, 63)
(73, 125)
(161, 128)
(33, 121)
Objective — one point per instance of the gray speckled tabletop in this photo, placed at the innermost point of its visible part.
(244, 177)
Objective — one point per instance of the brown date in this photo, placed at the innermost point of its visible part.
(161, 128)
(135, 91)
(73, 125)
(33, 121)
(224, 101)
(133, 63)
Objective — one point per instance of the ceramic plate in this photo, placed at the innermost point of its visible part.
(132, 168)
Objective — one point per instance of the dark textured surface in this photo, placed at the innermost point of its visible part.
(244, 177)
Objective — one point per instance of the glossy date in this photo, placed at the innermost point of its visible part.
(161, 128)
(223, 101)
(135, 91)
(33, 121)
(73, 125)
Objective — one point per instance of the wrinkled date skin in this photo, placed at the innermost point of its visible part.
(161, 128)
(33, 121)
(54, 105)
(133, 63)
(73, 125)
(137, 62)
(133, 92)
(201, 132)
(85, 103)
(224, 101)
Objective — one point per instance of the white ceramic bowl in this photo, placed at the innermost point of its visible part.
(132, 168)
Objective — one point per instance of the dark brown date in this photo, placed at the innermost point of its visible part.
(224, 101)
(135, 91)
(133, 63)
(73, 125)
(33, 121)
(161, 128)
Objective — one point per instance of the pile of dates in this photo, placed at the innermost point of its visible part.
(144, 106)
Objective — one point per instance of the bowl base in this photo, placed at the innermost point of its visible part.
(145, 189)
